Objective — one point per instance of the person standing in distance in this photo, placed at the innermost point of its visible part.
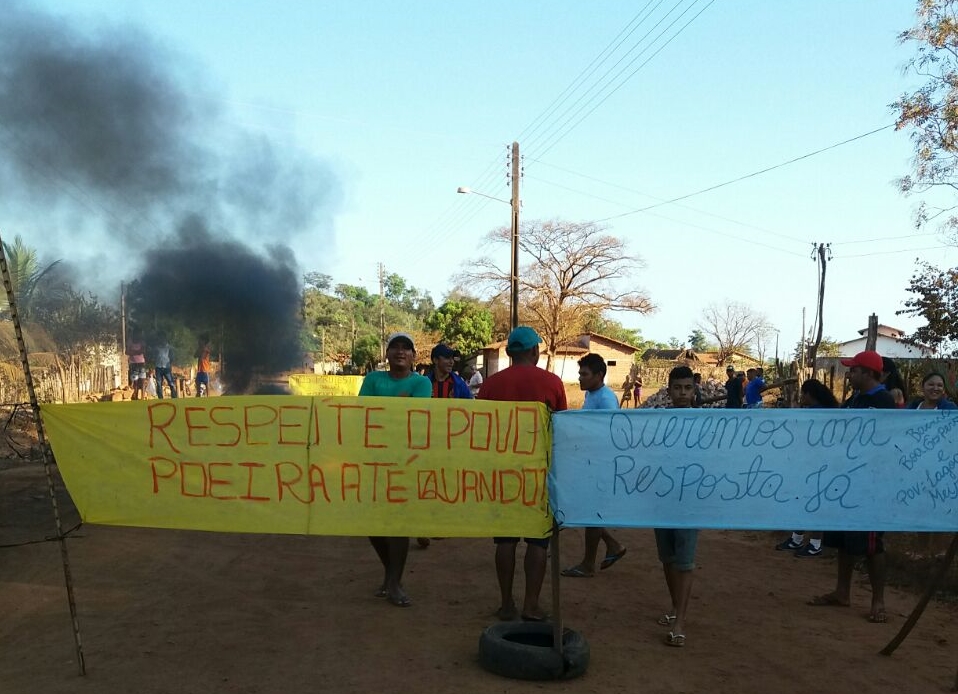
(399, 381)
(473, 378)
(598, 396)
(756, 386)
(676, 546)
(864, 376)
(203, 365)
(637, 390)
(163, 362)
(733, 389)
(524, 381)
(136, 353)
(446, 383)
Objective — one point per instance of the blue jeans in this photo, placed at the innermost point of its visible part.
(164, 374)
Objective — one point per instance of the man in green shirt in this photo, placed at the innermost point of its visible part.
(399, 381)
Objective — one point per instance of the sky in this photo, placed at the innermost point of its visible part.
(367, 116)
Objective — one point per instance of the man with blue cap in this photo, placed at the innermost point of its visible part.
(524, 381)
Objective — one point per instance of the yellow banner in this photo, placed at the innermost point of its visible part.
(308, 465)
(324, 384)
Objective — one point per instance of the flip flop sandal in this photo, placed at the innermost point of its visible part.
(575, 572)
(675, 640)
(611, 559)
(404, 601)
(665, 620)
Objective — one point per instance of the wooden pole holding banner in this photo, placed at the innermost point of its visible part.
(923, 602)
(556, 608)
(47, 454)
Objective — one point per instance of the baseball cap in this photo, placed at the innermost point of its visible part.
(729, 368)
(522, 338)
(869, 359)
(443, 350)
(401, 336)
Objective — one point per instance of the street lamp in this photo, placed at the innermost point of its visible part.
(514, 279)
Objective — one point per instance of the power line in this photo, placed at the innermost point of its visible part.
(587, 72)
(685, 207)
(701, 211)
(678, 221)
(587, 94)
(559, 138)
(743, 239)
(748, 176)
(887, 238)
(903, 250)
(462, 218)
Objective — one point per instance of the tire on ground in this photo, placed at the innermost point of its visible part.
(523, 650)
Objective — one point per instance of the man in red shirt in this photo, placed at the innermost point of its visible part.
(524, 381)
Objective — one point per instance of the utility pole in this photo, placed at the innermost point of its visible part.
(123, 364)
(821, 252)
(801, 357)
(514, 285)
(382, 313)
(324, 349)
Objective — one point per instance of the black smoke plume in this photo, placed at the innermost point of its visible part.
(248, 303)
(116, 156)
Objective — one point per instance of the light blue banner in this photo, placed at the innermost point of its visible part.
(756, 469)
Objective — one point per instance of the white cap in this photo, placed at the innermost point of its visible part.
(404, 336)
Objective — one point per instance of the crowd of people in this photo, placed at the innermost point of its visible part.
(874, 381)
(147, 382)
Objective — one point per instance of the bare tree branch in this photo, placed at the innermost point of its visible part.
(734, 326)
(576, 270)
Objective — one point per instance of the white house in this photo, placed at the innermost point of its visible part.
(889, 344)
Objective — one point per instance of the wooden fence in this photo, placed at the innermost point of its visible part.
(65, 383)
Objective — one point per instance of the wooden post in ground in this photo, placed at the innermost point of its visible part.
(47, 454)
(871, 338)
(556, 603)
(923, 602)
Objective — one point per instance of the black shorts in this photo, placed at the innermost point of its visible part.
(856, 542)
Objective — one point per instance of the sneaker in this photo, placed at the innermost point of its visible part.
(808, 551)
(787, 546)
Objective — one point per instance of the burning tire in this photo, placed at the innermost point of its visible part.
(523, 650)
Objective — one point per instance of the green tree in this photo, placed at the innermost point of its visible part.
(829, 347)
(463, 323)
(366, 352)
(697, 341)
(931, 114)
(931, 111)
(28, 277)
(338, 319)
(78, 322)
(935, 299)
(598, 323)
(406, 297)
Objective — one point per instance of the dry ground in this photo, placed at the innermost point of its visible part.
(164, 611)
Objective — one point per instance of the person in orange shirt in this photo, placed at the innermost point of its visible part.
(202, 355)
